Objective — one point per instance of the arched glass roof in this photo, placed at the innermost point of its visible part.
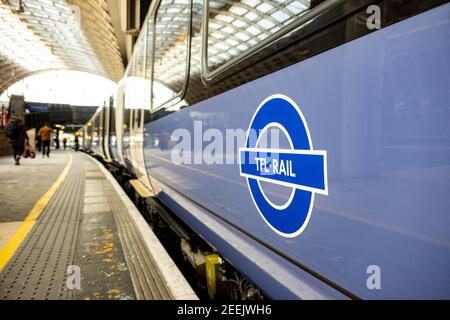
(48, 35)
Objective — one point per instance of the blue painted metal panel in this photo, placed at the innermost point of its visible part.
(379, 106)
(278, 278)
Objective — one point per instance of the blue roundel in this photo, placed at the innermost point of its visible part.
(301, 168)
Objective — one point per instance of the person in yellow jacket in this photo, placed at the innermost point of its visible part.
(45, 133)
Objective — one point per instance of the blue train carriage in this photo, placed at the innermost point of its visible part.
(98, 132)
(107, 129)
(131, 109)
(87, 137)
(295, 149)
(95, 132)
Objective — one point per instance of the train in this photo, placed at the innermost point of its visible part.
(294, 149)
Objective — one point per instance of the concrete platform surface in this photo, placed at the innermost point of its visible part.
(22, 186)
(83, 238)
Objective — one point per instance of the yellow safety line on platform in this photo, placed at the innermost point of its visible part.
(10, 248)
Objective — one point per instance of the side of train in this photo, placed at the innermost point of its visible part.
(366, 83)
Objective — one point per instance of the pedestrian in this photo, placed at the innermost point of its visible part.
(45, 134)
(77, 143)
(17, 135)
(65, 143)
(38, 143)
(2, 116)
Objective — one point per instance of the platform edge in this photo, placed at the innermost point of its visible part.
(177, 284)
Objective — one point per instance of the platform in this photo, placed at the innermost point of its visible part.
(68, 231)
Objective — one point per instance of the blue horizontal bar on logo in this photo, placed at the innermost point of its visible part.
(301, 169)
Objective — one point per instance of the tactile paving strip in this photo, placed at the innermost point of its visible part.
(148, 282)
(38, 270)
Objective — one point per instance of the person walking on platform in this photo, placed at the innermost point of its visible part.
(38, 143)
(45, 133)
(17, 135)
(77, 143)
(65, 143)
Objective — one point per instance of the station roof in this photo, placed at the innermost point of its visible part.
(45, 35)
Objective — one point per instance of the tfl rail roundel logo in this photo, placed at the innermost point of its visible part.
(300, 167)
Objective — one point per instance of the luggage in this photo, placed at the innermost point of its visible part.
(29, 152)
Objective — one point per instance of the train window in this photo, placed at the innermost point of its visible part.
(171, 41)
(149, 27)
(238, 29)
(136, 87)
(143, 83)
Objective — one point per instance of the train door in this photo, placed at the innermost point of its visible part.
(141, 102)
(95, 128)
(167, 69)
(105, 135)
(119, 122)
(100, 130)
(127, 113)
(112, 135)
